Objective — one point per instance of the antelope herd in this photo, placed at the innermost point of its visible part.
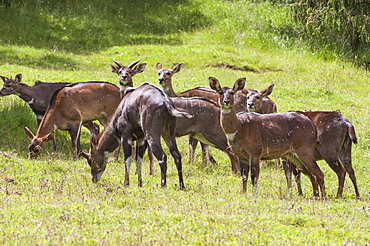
(241, 122)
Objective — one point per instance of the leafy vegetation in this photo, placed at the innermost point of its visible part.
(53, 201)
(338, 26)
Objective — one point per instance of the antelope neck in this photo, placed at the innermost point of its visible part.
(230, 123)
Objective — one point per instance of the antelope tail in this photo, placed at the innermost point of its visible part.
(352, 133)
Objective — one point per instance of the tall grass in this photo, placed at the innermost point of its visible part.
(53, 201)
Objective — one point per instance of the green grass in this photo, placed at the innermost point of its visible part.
(53, 201)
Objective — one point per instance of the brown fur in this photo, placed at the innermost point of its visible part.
(165, 80)
(37, 96)
(144, 114)
(125, 73)
(336, 135)
(204, 126)
(259, 102)
(254, 137)
(70, 107)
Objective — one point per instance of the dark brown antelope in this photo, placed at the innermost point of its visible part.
(336, 135)
(144, 115)
(254, 137)
(165, 80)
(204, 126)
(72, 106)
(125, 73)
(37, 96)
(259, 102)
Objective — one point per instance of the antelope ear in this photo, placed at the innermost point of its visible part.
(18, 78)
(245, 91)
(94, 140)
(85, 155)
(47, 137)
(267, 91)
(28, 133)
(134, 63)
(4, 78)
(117, 62)
(177, 68)
(239, 84)
(115, 69)
(158, 66)
(214, 84)
(140, 68)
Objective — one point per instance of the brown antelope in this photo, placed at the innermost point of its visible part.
(204, 126)
(144, 115)
(72, 106)
(165, 80)
(37, 96)
(259, 102)
(254, 137)
(336, 135)
(125, 73)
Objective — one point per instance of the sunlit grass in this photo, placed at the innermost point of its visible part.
(53, 201)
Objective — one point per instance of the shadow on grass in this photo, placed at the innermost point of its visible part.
(89, 26)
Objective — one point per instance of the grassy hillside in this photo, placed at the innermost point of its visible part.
(53, 201)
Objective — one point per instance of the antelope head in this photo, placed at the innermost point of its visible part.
(35, 147)
(10, 85)
(125, 73)
(165, 75)
(95, 159)
(254, 97)
(226, 99)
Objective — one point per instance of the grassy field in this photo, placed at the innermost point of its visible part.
(53, 201)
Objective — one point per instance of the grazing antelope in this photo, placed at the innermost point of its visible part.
(144, 115)
(125, 73)
(165, 80)
(72, 106)
(254, 137)
(336, 135)
(37, 96)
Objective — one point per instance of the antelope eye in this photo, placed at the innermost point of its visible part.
(258, 97)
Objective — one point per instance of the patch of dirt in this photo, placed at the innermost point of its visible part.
(244, 68)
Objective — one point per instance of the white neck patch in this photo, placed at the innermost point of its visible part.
(32, 101)
(123, 87)
(226, 110)
(231, 136)
(165, 88)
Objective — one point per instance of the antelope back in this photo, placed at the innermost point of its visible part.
(200, 91)
(80, 102)
(206, 92)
